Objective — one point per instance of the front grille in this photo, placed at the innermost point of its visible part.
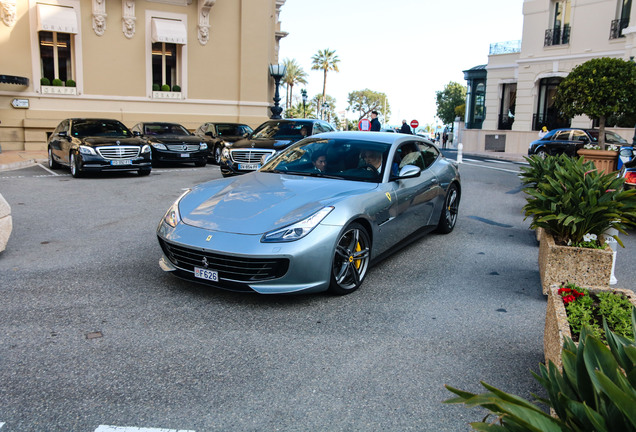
(249, 155)
(230, 268)
(183, 147)
(118, 152)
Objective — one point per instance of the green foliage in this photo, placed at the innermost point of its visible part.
(70, 83)
(294, 74)
(570, 199)
(176, 88)
(165, 88)
(453, 95)
(325, 60)
(45, 81)
(595, 392)
(615, 309)
(599, 88)
(57, 82)
(365, 101)
(156, 87)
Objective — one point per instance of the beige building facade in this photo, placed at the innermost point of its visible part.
(188, 61)
(516, 99)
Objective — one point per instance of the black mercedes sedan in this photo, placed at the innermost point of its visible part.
(221, 135)
(272, 136)
(95, 145)
(569, 141)
(172, 142)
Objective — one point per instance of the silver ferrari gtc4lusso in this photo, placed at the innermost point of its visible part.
(314, 217)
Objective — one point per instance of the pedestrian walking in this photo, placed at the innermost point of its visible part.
(406, 129)
(375, 123)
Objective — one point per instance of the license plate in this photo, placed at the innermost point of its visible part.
(121, 162)
(185, 155)
(206, 274)
(249, 167)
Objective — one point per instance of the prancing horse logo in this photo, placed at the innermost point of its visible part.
(205, 263)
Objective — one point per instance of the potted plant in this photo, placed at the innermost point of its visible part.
(574, 203)
(536, 171)
(595, 391)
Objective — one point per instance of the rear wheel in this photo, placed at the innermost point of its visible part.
(542, 153)
(76, 172)
(448, 218)
(351, 260)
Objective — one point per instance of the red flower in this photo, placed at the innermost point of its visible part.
(568, 299)
(564, 290)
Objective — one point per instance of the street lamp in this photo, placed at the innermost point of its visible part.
(304, 93)
(325, 107)
(277, 71)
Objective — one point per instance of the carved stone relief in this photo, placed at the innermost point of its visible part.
(99, 17)
(204, 20)
(128, 18)
(8, 12)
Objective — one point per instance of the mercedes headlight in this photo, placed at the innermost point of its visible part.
(87, 150)
(145, 148)
(172, 216)
(298, 230)
(159, 146)
(203, 146)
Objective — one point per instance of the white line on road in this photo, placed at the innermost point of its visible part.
(493, 168)
(103, 428)
(47, 170)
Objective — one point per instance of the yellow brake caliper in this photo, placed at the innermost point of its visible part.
(358, 262)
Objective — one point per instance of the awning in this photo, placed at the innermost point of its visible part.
(13, 79)
(169, 31)
(57, 18)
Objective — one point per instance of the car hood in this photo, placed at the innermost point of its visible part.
(109, 141)
(174, 139)
(276, 144)
(258, 202)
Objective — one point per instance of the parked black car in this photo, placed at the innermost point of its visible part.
(220, 135)
(570, 140)
(172, 142)
(272, 136)
(94, 145)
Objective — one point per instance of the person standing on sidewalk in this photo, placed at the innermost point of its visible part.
(406, 129)
(375, 123)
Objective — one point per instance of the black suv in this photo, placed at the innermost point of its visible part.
(570, 140)
(248, 154)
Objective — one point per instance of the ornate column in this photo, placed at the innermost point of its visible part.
(8, 12)
(99, 17)
(204, 20)
(128, 18)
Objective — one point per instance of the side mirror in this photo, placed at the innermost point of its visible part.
(409, 171)
(136, 133)
(64, 134)
(584, 140)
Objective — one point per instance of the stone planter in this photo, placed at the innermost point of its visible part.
(57, 90)
(166, 95)
(604, 160)
(556, 322)
(582, 266)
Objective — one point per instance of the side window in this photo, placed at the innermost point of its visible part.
(562, 136)
(430, 153)
(407, 154)
(580, 136)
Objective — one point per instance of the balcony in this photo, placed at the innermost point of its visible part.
(509, 47)
(505, 122)
(617, 27)
(557, 36)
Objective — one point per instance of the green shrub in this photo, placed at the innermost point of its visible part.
(536, 170)
(176, 88)
(165, 88)
(45, 81)
(573, 199)
(70, 83)
(57, 82)
(596, 391)
(156, 87)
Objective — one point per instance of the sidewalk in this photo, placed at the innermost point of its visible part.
(15, 159)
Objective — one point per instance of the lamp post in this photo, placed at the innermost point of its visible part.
(277, 71)
(303, 92)
(325, 107)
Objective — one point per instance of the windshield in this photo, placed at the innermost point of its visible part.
(232, 130)
(164, 129)
(283, 130)
(610, 137)
(99, 128)
(340, 158)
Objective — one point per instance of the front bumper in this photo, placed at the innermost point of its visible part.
(308, 261)
(183, 157)
(96, 163)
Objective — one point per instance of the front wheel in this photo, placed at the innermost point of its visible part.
(351, 260)
(75, 168)
(217, 154)
(143, 172)
(448, 218)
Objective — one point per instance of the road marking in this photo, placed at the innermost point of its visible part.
(1, 424)
(47, 170)
(493, 168)
(103, 428)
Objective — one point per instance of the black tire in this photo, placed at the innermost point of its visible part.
(52, 163)
(542, 153)
(201, 163)
(352, 256)
(76, 171)
(143, 172)
(217, 154)
(448, 218)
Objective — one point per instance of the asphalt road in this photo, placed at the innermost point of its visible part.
(93, 334)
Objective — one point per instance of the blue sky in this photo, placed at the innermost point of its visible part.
(408, 49)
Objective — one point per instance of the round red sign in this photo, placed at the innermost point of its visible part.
(414, 124)
(364, 125)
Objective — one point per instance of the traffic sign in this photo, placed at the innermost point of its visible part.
(20, 103)
(364, 125)
(414, 124)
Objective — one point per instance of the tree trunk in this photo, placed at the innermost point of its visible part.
(324, 88)
(601, 132)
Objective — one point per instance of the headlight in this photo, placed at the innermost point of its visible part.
(145, 148)
(172, 216)
(226, 153)
(87, 150)
(203, 146)
(298, 230)
(159, 146)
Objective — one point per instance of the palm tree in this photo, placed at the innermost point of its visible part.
(294, 75)
(325, 60)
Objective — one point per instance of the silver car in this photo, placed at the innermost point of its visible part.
(314, 217)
